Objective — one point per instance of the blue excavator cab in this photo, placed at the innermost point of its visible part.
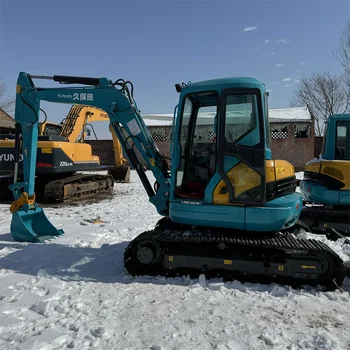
(222, 171)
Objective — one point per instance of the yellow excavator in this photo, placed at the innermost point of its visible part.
(74, 129)
(62, 154)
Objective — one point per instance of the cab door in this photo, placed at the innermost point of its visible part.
(241, 149)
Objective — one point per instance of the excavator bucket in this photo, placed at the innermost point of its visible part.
(120, 173)
(32, 226)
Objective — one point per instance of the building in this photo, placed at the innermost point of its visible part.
(291, 131)
(7, 123)
(291, 134)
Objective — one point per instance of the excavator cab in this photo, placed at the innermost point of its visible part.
(222, 170)
(49, 129)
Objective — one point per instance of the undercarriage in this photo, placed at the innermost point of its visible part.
(175, 250)
(322, 219)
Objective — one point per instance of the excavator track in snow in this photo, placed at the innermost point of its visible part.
(77, 186)
(320, 219)
(272, 258)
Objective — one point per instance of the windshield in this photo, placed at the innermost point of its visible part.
(240, 116)
(52, 130)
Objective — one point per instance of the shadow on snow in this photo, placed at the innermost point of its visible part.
(104, 264)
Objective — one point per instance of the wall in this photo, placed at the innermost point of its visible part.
(318, 146)
(4, 130)
(296, 151)
(103, 149)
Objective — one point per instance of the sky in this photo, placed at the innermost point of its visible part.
(156, 44)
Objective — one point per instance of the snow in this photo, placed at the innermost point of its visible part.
(152, 122)
(299, 175)
(74, 293)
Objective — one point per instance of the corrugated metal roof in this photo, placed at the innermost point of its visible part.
(294, 115)
(6, 121)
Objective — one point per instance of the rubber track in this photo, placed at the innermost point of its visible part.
(337, 218)
(320, 210)
(332, 275)
(54, 190)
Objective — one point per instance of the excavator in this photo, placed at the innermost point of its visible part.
(74, 129)
(62, 153)
(326, 185)
(227, 206)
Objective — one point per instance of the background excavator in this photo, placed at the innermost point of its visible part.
(326, 184)
(74, 129)
(62, 153)
(227, 206)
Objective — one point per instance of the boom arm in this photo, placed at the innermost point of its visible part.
(78, 117)
(118, 102)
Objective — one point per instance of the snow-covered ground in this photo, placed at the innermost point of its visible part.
(73, 293)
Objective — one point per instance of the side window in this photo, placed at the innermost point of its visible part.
(186, 115)
(184, 122)
(198, 145)
(240, 116)
(342, 147)
(324, 138)
(204, 136)
(267, 120)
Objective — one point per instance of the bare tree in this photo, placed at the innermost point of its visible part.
(342, 52)
(6, 103)
(324, 94)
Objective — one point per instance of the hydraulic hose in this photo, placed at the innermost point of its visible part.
(17, 150)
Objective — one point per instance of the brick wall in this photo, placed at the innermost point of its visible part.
(318, 146)
(297, 151)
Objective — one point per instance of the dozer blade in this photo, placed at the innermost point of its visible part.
(120, 173)
(32, 226)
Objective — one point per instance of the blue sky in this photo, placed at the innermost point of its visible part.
(157, 44)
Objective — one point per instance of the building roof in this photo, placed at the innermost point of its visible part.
(289, 115)
(6, 121)
(284, 115)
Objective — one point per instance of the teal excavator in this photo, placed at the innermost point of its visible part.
(326, 184)
(227, 206)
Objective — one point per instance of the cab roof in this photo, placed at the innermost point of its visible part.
(344, 117)
(224, 83)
